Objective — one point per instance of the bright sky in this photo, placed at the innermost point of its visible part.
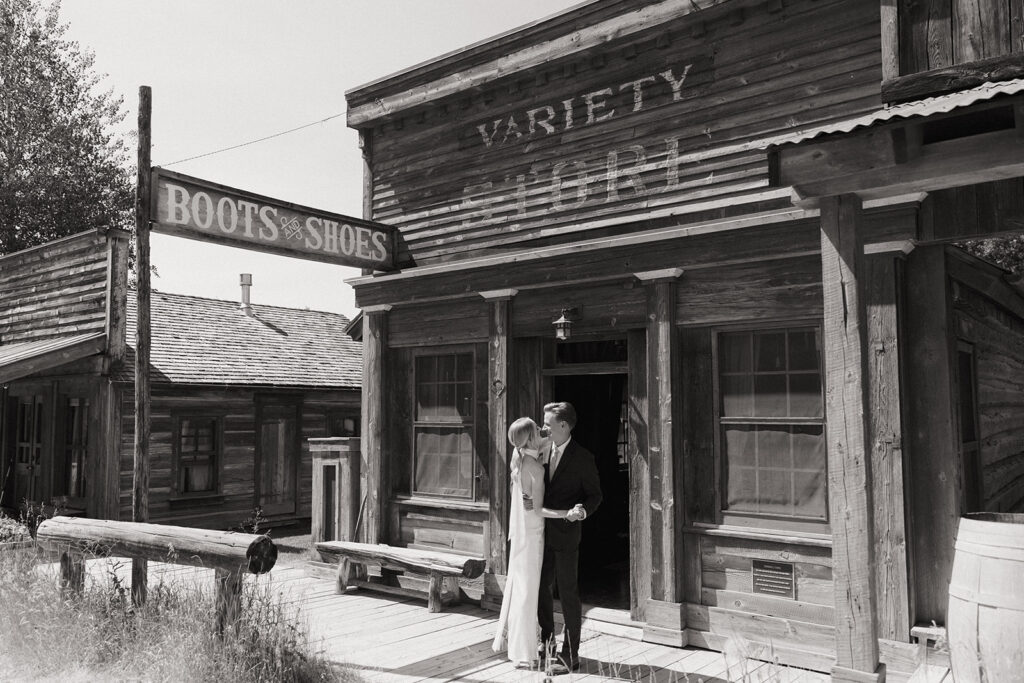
(224, 72)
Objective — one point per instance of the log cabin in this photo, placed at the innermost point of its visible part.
(726, 232)
(237, 389)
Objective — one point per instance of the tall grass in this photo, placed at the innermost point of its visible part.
(47, 634)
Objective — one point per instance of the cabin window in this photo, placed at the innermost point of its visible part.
(197, 453)
(443, 425)
(771, 425)
(342, 423)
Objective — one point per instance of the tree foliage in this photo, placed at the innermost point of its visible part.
(63, 169)
(1005, 252)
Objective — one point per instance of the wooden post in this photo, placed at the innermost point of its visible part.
(72, 571)
(665, 616)
(229, 600)
(374, 388)
(934, 470)
(366, 147)
(498, 421)
(849, 475)
(885, 308)
(498, 378)
(639, 478)
(140, 481)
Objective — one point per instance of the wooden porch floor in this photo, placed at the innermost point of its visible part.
(393, 639)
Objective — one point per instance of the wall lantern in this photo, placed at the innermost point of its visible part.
(563, 325)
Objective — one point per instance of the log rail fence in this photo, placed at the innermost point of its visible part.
(230, 554)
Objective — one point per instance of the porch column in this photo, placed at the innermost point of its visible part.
(883, 282)
(372, 434)
(497, 427)
(666, 621)
(849, 473)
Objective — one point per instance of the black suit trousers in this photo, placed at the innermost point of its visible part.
(561, 566)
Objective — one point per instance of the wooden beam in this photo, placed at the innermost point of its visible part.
(965, 161)
(951, 78)
(849, 473)
(372, 435)
(885, 306)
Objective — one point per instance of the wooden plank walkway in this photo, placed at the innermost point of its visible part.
(396, 640)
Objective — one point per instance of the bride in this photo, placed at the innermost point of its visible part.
(517, 623)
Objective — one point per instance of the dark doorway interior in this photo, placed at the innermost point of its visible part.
(604, 551)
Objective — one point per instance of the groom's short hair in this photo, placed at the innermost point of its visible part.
(563, 412)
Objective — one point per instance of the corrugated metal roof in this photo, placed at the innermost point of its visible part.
(940, 104)
(62, 349)
(210, 341)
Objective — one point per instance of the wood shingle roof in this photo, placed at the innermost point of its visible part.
(196, 340)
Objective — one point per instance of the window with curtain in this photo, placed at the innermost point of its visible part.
(443, 425)
(771, 423)
(197, 454)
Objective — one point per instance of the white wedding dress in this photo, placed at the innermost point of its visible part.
(517, 623)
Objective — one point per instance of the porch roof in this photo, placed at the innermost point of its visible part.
(27, 357)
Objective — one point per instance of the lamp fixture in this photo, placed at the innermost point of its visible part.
(563, 325)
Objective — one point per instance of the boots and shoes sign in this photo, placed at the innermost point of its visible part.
(198, 209)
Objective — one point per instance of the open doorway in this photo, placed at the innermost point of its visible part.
(604, 551)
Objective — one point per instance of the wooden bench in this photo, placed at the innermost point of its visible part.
(442, 568)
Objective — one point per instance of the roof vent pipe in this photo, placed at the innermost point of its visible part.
(246, 281)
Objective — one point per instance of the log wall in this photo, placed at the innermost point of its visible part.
(659, 123)
(56, 289)
(235, 501)
(997, 335)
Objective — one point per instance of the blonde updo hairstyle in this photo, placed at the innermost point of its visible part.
(521, 434)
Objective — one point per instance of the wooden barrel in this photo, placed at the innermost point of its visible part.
(985, 619)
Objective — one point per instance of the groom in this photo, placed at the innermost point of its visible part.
(571, 483)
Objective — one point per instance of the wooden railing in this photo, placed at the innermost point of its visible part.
(231, 554)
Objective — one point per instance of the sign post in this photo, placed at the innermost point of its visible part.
(140, 479)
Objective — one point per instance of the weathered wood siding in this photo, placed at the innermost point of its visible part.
(56, 289)
(237, 408)
(656, 124)
(998, 338)
(934, 34)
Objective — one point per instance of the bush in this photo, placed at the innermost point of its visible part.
(13, 531)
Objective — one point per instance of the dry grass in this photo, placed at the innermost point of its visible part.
(100, 636)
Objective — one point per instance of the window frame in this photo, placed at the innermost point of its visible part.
(764, 520)
(218, 465)
(471, 425)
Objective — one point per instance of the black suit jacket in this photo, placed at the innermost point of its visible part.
(575, 481)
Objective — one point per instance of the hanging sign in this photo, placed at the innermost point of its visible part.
(198, 209)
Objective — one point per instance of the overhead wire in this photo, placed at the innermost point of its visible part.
(253, 142)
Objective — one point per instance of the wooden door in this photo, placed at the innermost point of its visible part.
(279, 451)
(28, 422)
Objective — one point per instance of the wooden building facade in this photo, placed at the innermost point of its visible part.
(792, 382)
(236, 393)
